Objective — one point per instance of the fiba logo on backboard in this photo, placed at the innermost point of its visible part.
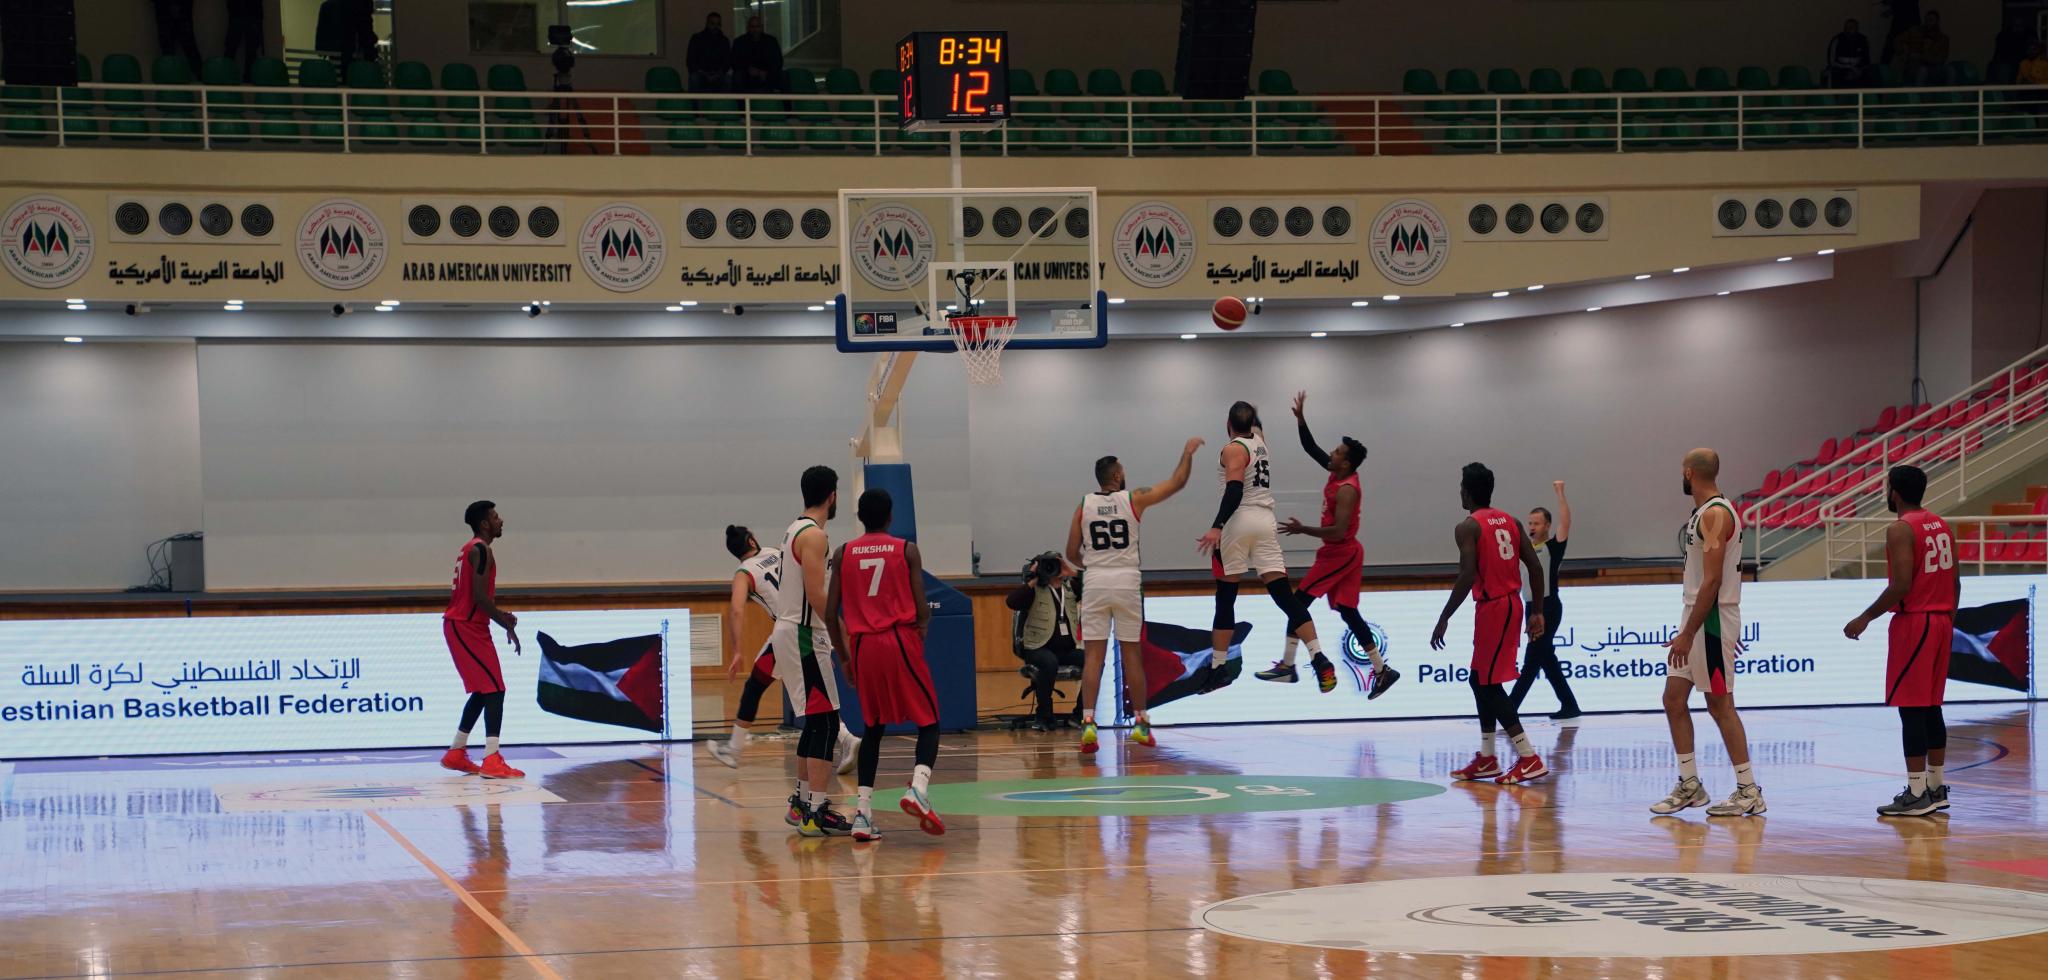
(1154, 244)
(892, 246)
(341, 244)
(46, 242)
(1410, 243)
(621, 247)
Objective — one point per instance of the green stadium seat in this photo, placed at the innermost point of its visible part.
(1548, 81)
(1419, 81)
(1465, 81)
(226, 110)
(1630, 87)
(1504, 81)
(419, 115)
(1589, 82)
(277, 119)
(123, 107)
(1276, 81)
(1432, 118)
(512, 120)
(322, 108)
(1671, 80)
(1711, 80)
(666, 80)
(464, 111)
(369, 115)
(853, 108)
(799, 81)
(1105, 83)
(177, 111)
(1753, 78)
(27, 109)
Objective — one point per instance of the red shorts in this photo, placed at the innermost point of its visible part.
(1496, 639)
(476, 657)
(1916, 668)
(1336, 573)
(894, 683)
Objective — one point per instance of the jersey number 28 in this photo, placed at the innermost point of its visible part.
(1109, 535)
(1941, 553)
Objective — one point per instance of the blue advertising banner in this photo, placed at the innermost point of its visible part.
(1611, 645)
(89, 687)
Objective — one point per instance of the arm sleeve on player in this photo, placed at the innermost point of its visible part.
(1308, 444)
(1233, 494)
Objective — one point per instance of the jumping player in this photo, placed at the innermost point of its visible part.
(878, 593)
(1490, 547)
(1103, 539)
(1339, 559)
(803, 655)
(472, 608)
(1703, 653)
(757, 579)
(1922, 599)
(1245, 537)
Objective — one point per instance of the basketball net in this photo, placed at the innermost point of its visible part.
(980, 340)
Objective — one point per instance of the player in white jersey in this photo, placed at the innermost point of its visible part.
(1245, 537)
(803, 653)
(1709, 637)
(1103, 541)
(758, 580)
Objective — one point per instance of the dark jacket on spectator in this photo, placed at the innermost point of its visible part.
(760, 51)
(710, 53)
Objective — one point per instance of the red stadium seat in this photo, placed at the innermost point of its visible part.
(2035, 551)
(1828, 452)
(1773, 482)
(1885, 420)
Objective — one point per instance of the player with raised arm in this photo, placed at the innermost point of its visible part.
(757, 580)
(1922, 597)
(1103, 540)
(466, 625)
(1339, 559)
(1709, 637)
(1492, 554)
(878, 615)
(1245, 537)
(803, 654)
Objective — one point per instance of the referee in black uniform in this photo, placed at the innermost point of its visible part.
(1542, 655)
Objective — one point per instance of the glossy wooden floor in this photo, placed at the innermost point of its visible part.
(663, 864)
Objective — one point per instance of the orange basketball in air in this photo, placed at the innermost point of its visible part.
(1228, 313)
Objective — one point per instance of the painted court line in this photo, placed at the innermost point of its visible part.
(497, 925)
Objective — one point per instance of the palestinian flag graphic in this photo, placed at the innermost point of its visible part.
(617, 682)
(1993, 644)
(1177, 662)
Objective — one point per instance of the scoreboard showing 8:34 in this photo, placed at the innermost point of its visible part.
(954, 80)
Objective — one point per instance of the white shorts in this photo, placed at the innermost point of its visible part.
(1251, 541)
(803, 663)
(1711, 664)
(1122, 605)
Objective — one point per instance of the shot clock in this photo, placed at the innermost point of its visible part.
(954, 80)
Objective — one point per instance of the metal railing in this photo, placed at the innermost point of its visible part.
(620, 123)
(1824, 504)
(1980, 549)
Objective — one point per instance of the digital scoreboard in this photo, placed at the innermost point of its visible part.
(953, 80)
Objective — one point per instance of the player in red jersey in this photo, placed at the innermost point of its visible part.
(1339, 559)
(1490, 546)
(472, 608)
(1921, 596)
(877, 613)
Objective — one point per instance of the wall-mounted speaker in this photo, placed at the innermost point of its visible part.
(1750, 214)
(194, 220)
(986, 220)
(1533, 218)
(482, 221)
(1282, 221)
(758, 224)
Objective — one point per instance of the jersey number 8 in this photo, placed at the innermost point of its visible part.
(1505, 539)
(1109, 535)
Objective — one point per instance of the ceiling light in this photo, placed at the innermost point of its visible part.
(1187, 336)
(1320, 334)
(547, 302)
(686, 302)
(1722, 293)
(1784, 258)
(74, 340)
(1592, 309)
(1391, 298)
(1536, 288)
(1360, 302)
(1116, 300)
(1642, 277)
(950, 308)
(74, 301)
(232, 307)
(383, 308)
(1498, 293)
(74, 306)
(673, 309)
(815, 309)
(1458, 324)
(1825, 251)
(389, 302)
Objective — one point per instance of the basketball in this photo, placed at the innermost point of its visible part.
(1228, 313)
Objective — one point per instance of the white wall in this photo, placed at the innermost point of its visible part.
(1947, 322)
(1608, 402)
(99, 456)
(336, 465)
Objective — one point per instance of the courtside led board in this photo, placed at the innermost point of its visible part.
(953, 80)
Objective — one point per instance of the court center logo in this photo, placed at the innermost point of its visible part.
(1154, 244)
(892, 246)
(1619, 914)
(46, 242)
(1410, 242)
(621, 247)
(341, 244)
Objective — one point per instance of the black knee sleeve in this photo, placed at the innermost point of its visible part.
(1226, 606)
(750, 698)
(1937, 729)
(928, 746)
(494, 713)
(1912, 733)
(1494, 706)
(1282, 592)
(870, 755)
(820, 737)
(472, 709)
(1357, 625)
(1481, 706)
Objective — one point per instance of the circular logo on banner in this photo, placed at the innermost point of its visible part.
(1410, 242)
(45, 242)
(892, 246)
(1154, 244)
(341, 244)
(621, 247)
(1651, 915)
(1155, 796)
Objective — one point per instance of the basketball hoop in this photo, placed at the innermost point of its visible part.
(981, 340)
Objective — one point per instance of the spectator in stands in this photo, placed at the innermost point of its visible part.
(174, 32)
(710, 57)
(245, 32)
(1848, 56)
(1046, 602)
(757, 59)
(346, 30)
(2034, 69)
(2010, 47)
(1905, 15)
(1922, 50)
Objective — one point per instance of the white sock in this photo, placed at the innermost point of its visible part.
(490, 745)
(1287, 653)
(1218, 657)
(819, 800)
(1373, 652)
(867, 800)
(739, 737)
(461, 740)
(1934, 777)
(921, 778)
(1315, 649)
(1523, 749)
(1917, 782)
(803, 789)
(1743, 777)
(1486, 743)
(1687, 767)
